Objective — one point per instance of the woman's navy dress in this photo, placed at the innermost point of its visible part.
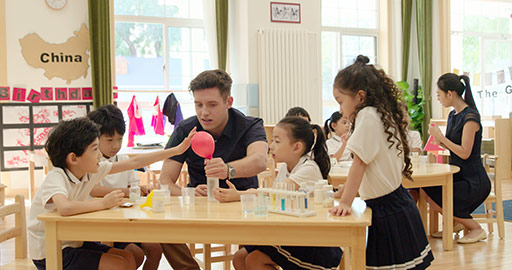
(471, 185)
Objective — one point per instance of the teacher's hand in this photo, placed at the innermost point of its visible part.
(216, 167)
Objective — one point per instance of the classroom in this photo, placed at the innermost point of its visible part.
(255, 134)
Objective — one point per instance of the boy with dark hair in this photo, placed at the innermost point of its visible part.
(72, 147)
(112, 128)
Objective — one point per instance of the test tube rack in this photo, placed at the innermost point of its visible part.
(285, 202)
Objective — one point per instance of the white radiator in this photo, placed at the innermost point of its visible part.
(289, 73)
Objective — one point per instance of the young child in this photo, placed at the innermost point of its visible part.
(336, 145)
(293, 138)
(112, 128)
(72, 147)
(300, 112)
(369, 98)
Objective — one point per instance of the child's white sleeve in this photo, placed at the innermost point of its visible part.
(52, 186)
(364, 141)
(332, 146)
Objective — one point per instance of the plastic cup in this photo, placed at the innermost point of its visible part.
(134, 193)
(188, 195)
(212, 183)
(248, 201)
(261, 208)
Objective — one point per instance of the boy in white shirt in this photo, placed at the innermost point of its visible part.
(72, 147)
(112, 128)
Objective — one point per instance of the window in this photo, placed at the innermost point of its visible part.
(160, 46)
(481, 47)
(349, 28)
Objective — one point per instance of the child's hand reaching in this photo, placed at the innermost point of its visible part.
(341, 210)
(185, 144)
(226, 194)
(114, 198)
(344, 137)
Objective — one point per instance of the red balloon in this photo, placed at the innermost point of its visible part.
(203, 144)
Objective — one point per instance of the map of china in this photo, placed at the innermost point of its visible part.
(68, 60)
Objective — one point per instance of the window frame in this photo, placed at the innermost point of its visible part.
(350, 31)
(166, 23)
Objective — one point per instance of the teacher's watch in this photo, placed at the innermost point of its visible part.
(231, 171)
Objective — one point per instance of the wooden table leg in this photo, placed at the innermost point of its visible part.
(31, 171)
(53, 246)
(422, 207)
(448, 214)
(358, 249)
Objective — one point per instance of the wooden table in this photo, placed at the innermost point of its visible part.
(430, 174)
(209, 222)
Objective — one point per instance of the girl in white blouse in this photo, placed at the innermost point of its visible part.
(339, 126)
(292, 141)
(369, 98)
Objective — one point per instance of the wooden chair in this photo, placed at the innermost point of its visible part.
(209, 258)
(19, 231)
(493, 216)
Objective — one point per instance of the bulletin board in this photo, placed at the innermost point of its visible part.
(25, 126)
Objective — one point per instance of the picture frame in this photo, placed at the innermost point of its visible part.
(285, 12)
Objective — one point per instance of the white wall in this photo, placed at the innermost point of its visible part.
(246, 17)
(53, 26)
(259, 17)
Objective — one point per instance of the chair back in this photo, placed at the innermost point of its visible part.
(19, 231)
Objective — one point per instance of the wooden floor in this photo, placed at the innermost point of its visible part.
(492, 254)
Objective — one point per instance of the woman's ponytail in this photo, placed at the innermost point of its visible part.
(468, 96)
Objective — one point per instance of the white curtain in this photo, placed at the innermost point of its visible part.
(210, 29)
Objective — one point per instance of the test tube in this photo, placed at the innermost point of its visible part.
(282, 195)
(303, 205)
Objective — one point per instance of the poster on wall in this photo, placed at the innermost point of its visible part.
(16, 137)
(45, 114)
(73, 111)
(284, 12)
(15, 115)
(15, 159)
(68, 60)
(40, 135)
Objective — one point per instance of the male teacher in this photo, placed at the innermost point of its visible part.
(240, 149)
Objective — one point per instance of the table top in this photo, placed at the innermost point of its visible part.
(424, 170)
(215, 213)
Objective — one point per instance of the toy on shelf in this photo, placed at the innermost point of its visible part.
(286, 201)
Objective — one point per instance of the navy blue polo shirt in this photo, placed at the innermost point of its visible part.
(239, 133)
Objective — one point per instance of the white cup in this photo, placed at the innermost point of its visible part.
(134, 193)
(212, 183)
(248, 201)
(188, 195)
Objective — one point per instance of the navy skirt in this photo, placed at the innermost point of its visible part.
(396, 238)
(292, 257)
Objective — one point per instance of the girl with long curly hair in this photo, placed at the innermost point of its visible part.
(370, 99)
